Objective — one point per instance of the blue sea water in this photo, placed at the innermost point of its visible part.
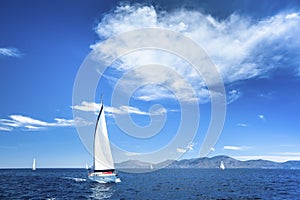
(162, 184)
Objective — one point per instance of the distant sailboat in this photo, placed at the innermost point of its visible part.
(222, 166)
(151, 166)
(33, 165)
(86, 166)
(103, 170)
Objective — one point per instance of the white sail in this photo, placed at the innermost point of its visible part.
(102, 153)
(222, 166)
(103, 169)
(86, 166)
(33, 165)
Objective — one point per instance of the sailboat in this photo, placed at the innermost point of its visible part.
(86, 166)
(103, 170)
(33, 165)
(222, 166)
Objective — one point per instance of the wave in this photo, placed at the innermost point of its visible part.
(75, 179)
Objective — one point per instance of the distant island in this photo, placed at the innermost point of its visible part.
(210, 163)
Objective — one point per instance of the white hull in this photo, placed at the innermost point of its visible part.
(104, 178)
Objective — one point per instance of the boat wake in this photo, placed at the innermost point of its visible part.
(75, 179)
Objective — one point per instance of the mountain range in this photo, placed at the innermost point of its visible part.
(208, 163)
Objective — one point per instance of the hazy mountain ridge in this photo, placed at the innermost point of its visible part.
(208, 163)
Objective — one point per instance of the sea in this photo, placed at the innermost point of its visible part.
(162, 184)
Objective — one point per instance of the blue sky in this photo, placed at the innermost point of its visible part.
(254, 45)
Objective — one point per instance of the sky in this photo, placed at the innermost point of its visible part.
(253, 45)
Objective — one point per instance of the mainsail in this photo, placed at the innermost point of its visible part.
(102, 153)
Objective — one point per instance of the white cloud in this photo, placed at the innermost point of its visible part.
(87, 106)
(62, 122)
(81, 122)
(232, 147)
(93, 107)
(125, 110)
(132, 154)
(132, 110)
(242, 124)
(239, 46)
(276, 156)
(262, 117)
(292, 16)
(5, 128)
(11, 52)
(23, 120)
(33, 128)
(232, 96)
(287, 153)
(180, 150)
(267, 95)
(268, 157)
(190, 147)
(236, 148)
(28, 123)
(20, 120)
(126, 18)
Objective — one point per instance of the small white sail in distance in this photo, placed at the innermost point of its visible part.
(86, 166)
(33, 165)
(222, 166)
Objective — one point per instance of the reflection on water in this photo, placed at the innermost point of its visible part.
(101, 191)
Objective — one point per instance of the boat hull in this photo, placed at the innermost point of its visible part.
(104, 178)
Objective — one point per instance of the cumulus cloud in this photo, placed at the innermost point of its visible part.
(28, 123)
(241, 47)
(10, 52)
